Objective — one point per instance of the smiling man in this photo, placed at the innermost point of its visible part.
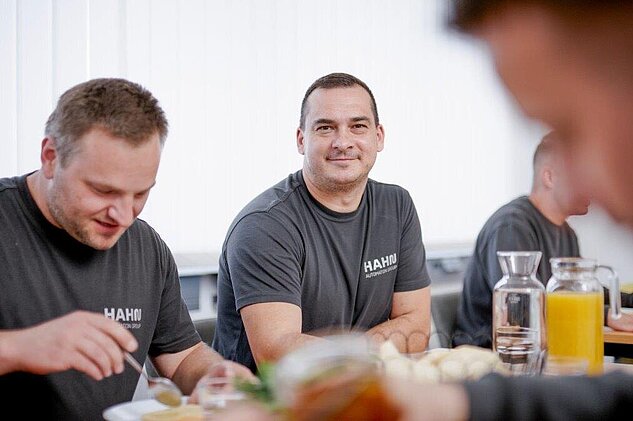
(82, 279)
(327, 248)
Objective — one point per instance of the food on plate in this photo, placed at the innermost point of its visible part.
(423, 370)
(168, 397)
(187, 412)
(465, 362)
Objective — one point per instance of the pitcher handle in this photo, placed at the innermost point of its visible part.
(615, 304)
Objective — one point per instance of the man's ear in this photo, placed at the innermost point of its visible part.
(300, 144)
(48, 157)
(548, 178)
(380, 137)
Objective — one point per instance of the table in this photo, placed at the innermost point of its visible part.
(627, 368)
(618, 344)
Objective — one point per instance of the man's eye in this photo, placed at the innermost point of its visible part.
(323, 128)
(141, 194)
(359, 126)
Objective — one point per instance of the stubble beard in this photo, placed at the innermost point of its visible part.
(70, 225)
(333, 185)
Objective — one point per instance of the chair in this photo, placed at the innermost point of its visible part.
(444, 314)
(206, 329)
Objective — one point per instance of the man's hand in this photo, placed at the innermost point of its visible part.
(409, 324)
(624, 323)
(84, 341)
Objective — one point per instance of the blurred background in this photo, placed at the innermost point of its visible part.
(231, 74)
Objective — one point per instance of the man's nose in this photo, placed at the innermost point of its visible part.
(343, 140)
(122, 211)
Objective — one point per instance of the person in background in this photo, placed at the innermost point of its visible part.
(83, 279)
(569, 64)
(326, 248)
(527, 223)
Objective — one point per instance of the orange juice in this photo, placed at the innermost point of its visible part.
(574, 326)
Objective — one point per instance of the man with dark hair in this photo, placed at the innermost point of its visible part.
(534, 222)
(326, 248)
(83, 280)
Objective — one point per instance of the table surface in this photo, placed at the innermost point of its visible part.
(614, 337)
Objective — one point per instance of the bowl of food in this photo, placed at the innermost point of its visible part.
(440, 365)
(337, 378)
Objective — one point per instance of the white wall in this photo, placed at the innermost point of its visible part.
(607, 242)
(231, 74)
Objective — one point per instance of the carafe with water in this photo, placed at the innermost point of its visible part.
(518, 322)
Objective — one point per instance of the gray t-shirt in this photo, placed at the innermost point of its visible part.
(551, 398)
(45, 274)
(516, 226)
(340, 268)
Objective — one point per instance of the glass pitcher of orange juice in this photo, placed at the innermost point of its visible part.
(574, 302)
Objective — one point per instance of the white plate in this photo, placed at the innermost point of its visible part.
(133, 411)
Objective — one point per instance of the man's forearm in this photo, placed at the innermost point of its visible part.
(194, 366)
(409, 333)
(283, 345)
(7, 363)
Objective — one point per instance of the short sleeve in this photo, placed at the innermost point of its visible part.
(412, 271)
(264, 261)
(175, 331)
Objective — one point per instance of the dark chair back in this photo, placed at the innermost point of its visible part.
(206, 329)
(444, 313)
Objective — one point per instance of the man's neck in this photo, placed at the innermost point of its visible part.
(548, 208)
(35, 184)
(343, 200)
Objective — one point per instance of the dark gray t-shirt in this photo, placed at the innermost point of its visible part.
(46, 274)
(341, 269)
(516, 226)
(551, 398)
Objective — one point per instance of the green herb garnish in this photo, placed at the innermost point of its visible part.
(262, 390)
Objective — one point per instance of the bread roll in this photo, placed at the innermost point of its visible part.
(465, 362)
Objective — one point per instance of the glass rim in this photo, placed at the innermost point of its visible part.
(581, 262)
(519, 253)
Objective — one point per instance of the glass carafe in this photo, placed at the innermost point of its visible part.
(518, 323)
(574, 309)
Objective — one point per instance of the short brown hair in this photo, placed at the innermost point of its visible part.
(124, 109)
(336, 80)
(465, 15)
(549, 143)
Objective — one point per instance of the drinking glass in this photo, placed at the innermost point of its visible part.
(218, 393)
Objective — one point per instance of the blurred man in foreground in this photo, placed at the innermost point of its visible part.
(569, 64)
